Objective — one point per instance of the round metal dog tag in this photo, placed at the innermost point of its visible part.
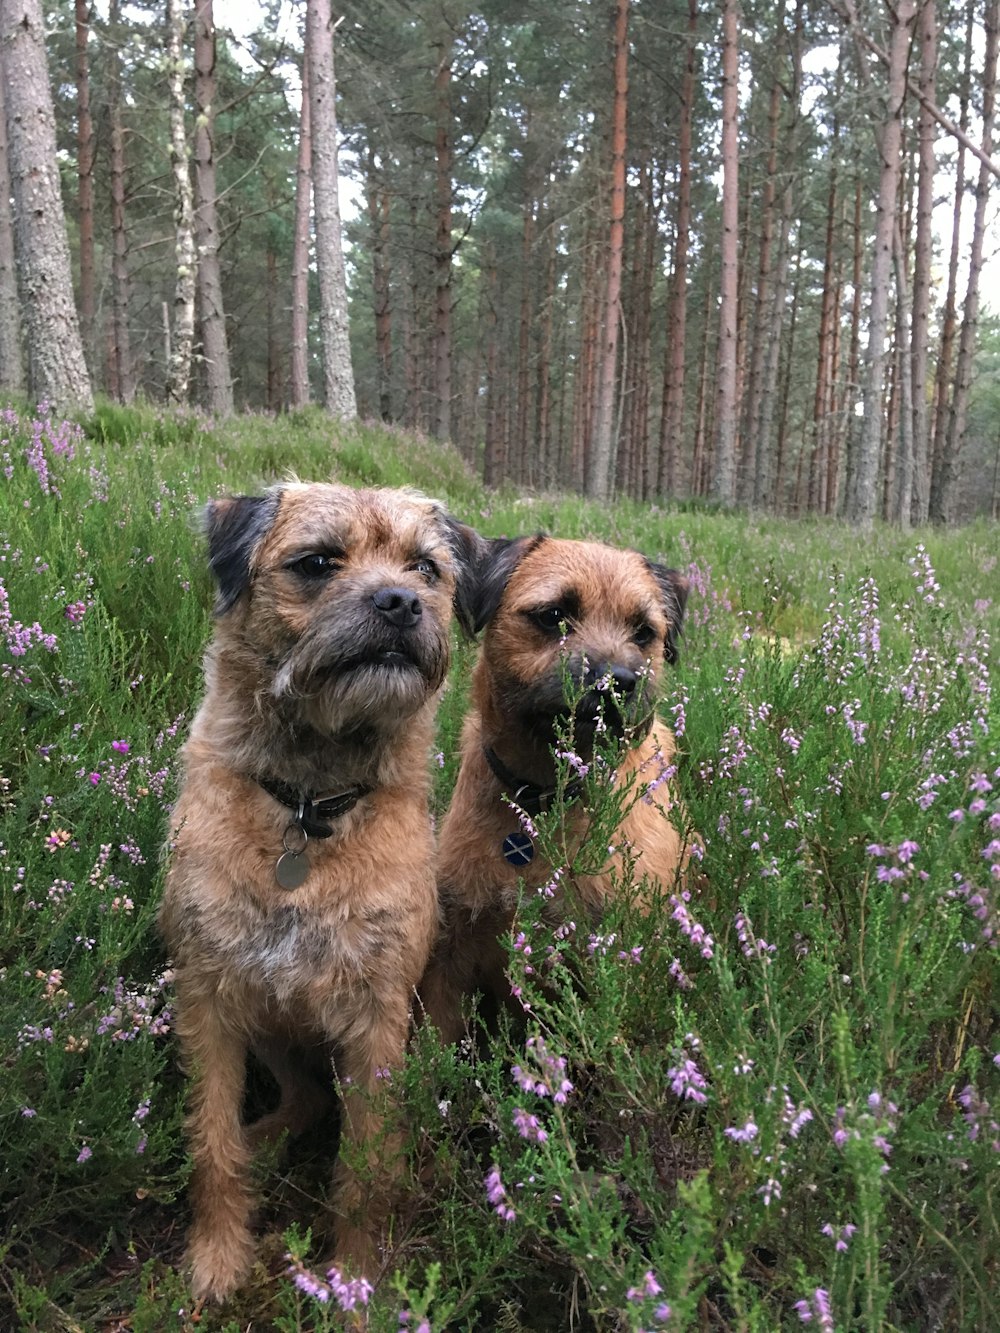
(518, 849)
(291, 869)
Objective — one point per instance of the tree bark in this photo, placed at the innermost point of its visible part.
(922, 263)
(338, 376)
(57, 371)
(443, 164)
(215, 347)
(672, 407)
(85, 180)
(862, 502)
(723, 489)
(124, 375)
(970, 312)
(378, 222)
(601, 459)
(298, 386)
(943, 379)
(11, 361)
(178, 388)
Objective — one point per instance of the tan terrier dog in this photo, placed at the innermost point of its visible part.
(300, 901)
(602, 620)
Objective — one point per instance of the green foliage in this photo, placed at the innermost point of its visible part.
(783, 1078)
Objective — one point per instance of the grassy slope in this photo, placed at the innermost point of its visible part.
(847, 1005)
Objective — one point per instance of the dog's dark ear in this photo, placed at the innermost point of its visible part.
(466, 547)
(498, 558)
(234, 526)
(674, 590)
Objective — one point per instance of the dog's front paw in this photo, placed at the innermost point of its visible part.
(218, 1264)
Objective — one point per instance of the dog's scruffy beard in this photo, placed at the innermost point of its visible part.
(352, 672)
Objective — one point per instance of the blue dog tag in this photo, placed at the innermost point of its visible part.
(518, 849)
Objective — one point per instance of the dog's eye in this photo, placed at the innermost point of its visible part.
(550, 618)
(643, 635)
(426, 568)
(316, 565)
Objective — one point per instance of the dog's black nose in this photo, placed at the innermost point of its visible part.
(618, 678)
(623, 680)
(400, 606)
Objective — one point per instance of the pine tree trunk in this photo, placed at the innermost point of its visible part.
(443, 154)
(922, 262)
(970, 313)
(124, 375)
(215, 348)
(861, 503)
(378, 222)
(57, 371)
(601, 459)
(491, 454)
(11, 361)
(298, 373)
(85, 181)
(526, 463)
(672, 406)
(723, 489)
(753, 446)
(902, 493)
(273, 354)
(178, 388)
(946, 352)
(543, 381)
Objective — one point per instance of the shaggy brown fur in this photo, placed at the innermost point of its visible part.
(604, 616)
(331, 646)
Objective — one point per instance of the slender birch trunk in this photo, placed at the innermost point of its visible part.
(215, 348)
(178, 387)
(338, 376)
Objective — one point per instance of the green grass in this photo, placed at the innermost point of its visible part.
(834, 707)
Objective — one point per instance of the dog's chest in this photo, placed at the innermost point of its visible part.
(288, 949)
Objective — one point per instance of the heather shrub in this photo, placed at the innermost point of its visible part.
(767, 1096)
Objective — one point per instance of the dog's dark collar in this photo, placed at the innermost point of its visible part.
(314, 814)
(527, 796)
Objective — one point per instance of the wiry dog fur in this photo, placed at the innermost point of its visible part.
(331, 646)
(608, 619)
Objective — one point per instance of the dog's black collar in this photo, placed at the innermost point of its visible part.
(527, 796)
(314, 813)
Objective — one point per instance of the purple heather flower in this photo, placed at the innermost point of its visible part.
(122, 747)
(85, 1153)
(497, 1195)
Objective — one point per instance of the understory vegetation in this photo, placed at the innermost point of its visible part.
(772, 1100)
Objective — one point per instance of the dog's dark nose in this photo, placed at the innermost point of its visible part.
(400, 606)
(618, 678)
(623, 681)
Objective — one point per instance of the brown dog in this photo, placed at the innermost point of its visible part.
(300, 901)
(607, 619)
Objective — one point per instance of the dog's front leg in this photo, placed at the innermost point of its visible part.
(371, 1150)
(221, 1247)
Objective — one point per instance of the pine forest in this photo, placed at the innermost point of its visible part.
(647, 248)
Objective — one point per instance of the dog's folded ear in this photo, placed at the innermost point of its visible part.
(498, 558)
(235, 526)
(674, 589)
(467, 549)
